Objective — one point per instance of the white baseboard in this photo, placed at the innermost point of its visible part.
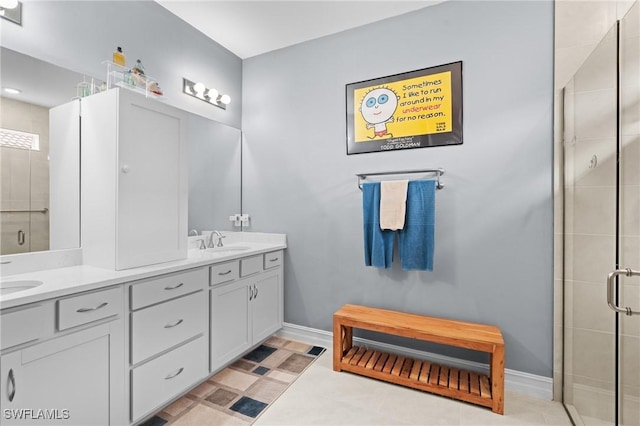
(517, 381)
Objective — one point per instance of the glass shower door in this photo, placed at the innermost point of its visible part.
(601, 377)
(625, 290)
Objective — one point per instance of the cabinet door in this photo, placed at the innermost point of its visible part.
(152, 182)
(61, 381)
(230, 319)
(266, 305)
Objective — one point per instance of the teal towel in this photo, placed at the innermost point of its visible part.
(416, 239)
(378, 244)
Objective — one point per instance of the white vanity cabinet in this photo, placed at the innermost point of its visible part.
(68, 369)
(134, 181)
(246, 305)
(168, 345)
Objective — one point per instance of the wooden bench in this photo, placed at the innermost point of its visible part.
(487, 391)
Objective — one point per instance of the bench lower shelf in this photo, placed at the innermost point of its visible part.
(446, 381)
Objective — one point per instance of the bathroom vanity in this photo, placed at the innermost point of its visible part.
(141, 319)
(99, 346)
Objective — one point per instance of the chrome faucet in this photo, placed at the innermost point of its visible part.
(202, 245)
(219, 236)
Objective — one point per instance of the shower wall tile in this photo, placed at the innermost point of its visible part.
(589, 258)
(589, 307)
(630, 257)
(623, 7)
(580, 23)
(588, 173)
(595, 358)
(594, 210)
(567, 360)
(630, 210)
(15, 115)
(599, 69)
(594, 402)
(39, 236)
(569, 227)
(631, 410)
(629, 59)
(630, 116)
(568, 304)
(595, 114)
(629, 170)
(630, 348)
(10, 224)
(630, 296)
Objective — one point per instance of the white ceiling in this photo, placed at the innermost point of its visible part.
(250, 28)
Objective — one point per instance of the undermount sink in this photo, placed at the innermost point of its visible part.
(228, 248)
(8, 287)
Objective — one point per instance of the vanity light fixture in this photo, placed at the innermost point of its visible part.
(11, 10)
(211, 96)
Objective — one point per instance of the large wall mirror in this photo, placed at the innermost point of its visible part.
(30, 88)
(30, 194)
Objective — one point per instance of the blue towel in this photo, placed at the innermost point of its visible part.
(416, 239)
(378, 244)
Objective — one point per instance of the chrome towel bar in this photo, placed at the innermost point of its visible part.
(438, 172)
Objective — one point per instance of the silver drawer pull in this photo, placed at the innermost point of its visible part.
(274, 259)
(173, 287)
(95, 308)
(172, 375)
(12, 382)
(177, 323)
(225, 273)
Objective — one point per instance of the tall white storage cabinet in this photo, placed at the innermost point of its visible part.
(134, 181)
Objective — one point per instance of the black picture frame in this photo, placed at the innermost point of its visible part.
(416, 109)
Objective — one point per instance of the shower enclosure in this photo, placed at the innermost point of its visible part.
(601, 377)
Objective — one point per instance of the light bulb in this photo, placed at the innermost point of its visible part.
(8, 4)
(213, 95)
(199, 88)
(225, 99)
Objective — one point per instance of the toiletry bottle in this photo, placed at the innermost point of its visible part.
(118, 57)
(138, 68)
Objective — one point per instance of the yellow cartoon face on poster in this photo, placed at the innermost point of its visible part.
(377, 108)
(415, 106)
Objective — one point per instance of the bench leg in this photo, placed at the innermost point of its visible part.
(497, 379)
(337, 345)
(342, 342)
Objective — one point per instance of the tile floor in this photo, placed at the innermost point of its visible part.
(321, 396)
(238, 394)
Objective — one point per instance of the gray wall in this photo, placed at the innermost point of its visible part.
(80, 35)
(493, 257)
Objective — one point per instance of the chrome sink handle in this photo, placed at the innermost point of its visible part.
(610, 290)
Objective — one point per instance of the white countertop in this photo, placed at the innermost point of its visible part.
(73, 279)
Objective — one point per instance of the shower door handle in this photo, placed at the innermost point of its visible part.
(610, 290)
(21, 236)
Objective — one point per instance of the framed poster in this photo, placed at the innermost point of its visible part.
(416, 109)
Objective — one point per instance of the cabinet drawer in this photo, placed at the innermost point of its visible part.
(225, 272)
(23, 326)
(250, 265)
(273, 259)
(165, 325)
(167, 287)
(156, 382)
(89, 307)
